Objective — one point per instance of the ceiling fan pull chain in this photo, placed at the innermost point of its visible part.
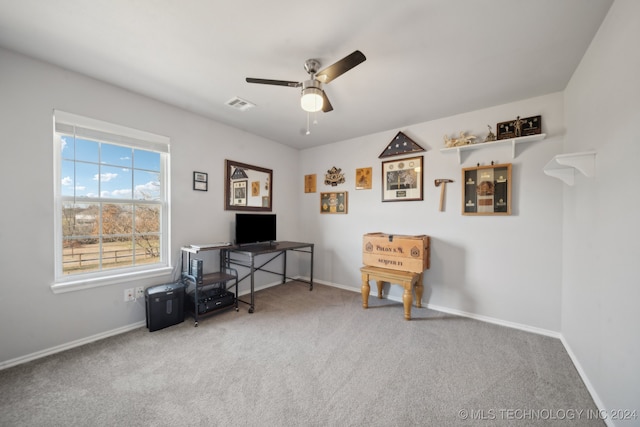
(308, 130)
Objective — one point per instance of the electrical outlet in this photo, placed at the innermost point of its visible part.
(139, 292)
(128, 295)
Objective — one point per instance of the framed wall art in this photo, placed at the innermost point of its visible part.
(240, 193)
(364, 178)
(255, 188)
(200, 181)
(310, 183)
(487, 190)
(402, 180)
(334, 202)
(247, 187)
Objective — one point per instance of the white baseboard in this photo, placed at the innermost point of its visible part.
(67, 346)
(587, 383)
(260, 287)
(333, 285)
(487, 319)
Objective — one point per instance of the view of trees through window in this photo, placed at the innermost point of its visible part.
(111, 205)
(119, 245)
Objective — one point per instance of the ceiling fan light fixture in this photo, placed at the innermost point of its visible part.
(311, 99)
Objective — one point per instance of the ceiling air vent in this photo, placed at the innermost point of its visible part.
(239, 104)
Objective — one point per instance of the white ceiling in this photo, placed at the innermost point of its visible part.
(426, 59)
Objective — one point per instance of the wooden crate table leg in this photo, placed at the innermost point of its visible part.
(407, 300)
(406, 279)
(379, 284)
(365, 290)
(419, 291)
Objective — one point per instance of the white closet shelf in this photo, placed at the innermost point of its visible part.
(563, 166)
(480, 145)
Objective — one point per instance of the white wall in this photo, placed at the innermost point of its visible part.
(506, 267)
(32, 318)
(601, 292)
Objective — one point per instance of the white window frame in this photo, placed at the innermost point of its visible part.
(130, 137)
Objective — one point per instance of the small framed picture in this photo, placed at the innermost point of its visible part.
(402, 180)
(200, 181)
(334, 202)
(487, 190)
(363, 178)
(310, 183)
(240, 193)
(255, 188)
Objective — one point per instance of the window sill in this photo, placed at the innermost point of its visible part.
(77, 285)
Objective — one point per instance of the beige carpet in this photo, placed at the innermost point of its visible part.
(305, 359)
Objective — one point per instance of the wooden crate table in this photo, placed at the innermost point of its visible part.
(408, 279)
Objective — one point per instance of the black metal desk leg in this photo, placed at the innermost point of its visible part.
(253, 270)
(311, 275)
(284, 268)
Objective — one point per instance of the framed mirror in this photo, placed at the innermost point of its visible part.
(247, 187)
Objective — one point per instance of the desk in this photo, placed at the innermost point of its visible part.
(404, 278)
(245, 256)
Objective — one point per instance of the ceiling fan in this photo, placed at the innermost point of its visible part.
(313, 98)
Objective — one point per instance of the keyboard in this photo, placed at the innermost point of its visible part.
(211, 245)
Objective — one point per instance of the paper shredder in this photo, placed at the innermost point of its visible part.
(165, 305)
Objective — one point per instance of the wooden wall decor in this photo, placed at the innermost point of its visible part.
(310, 183)
(364, 178)
(401, 144)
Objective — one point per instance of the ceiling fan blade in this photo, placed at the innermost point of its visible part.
(340, 67)
(326, 105)
(274, 82)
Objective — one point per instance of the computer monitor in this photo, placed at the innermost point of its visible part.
(255, 228)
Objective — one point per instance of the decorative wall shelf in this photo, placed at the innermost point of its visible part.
(480, 145)
(563, 166)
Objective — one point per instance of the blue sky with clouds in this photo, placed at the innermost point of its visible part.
(108, 170)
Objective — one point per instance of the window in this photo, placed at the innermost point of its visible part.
(112, 205)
